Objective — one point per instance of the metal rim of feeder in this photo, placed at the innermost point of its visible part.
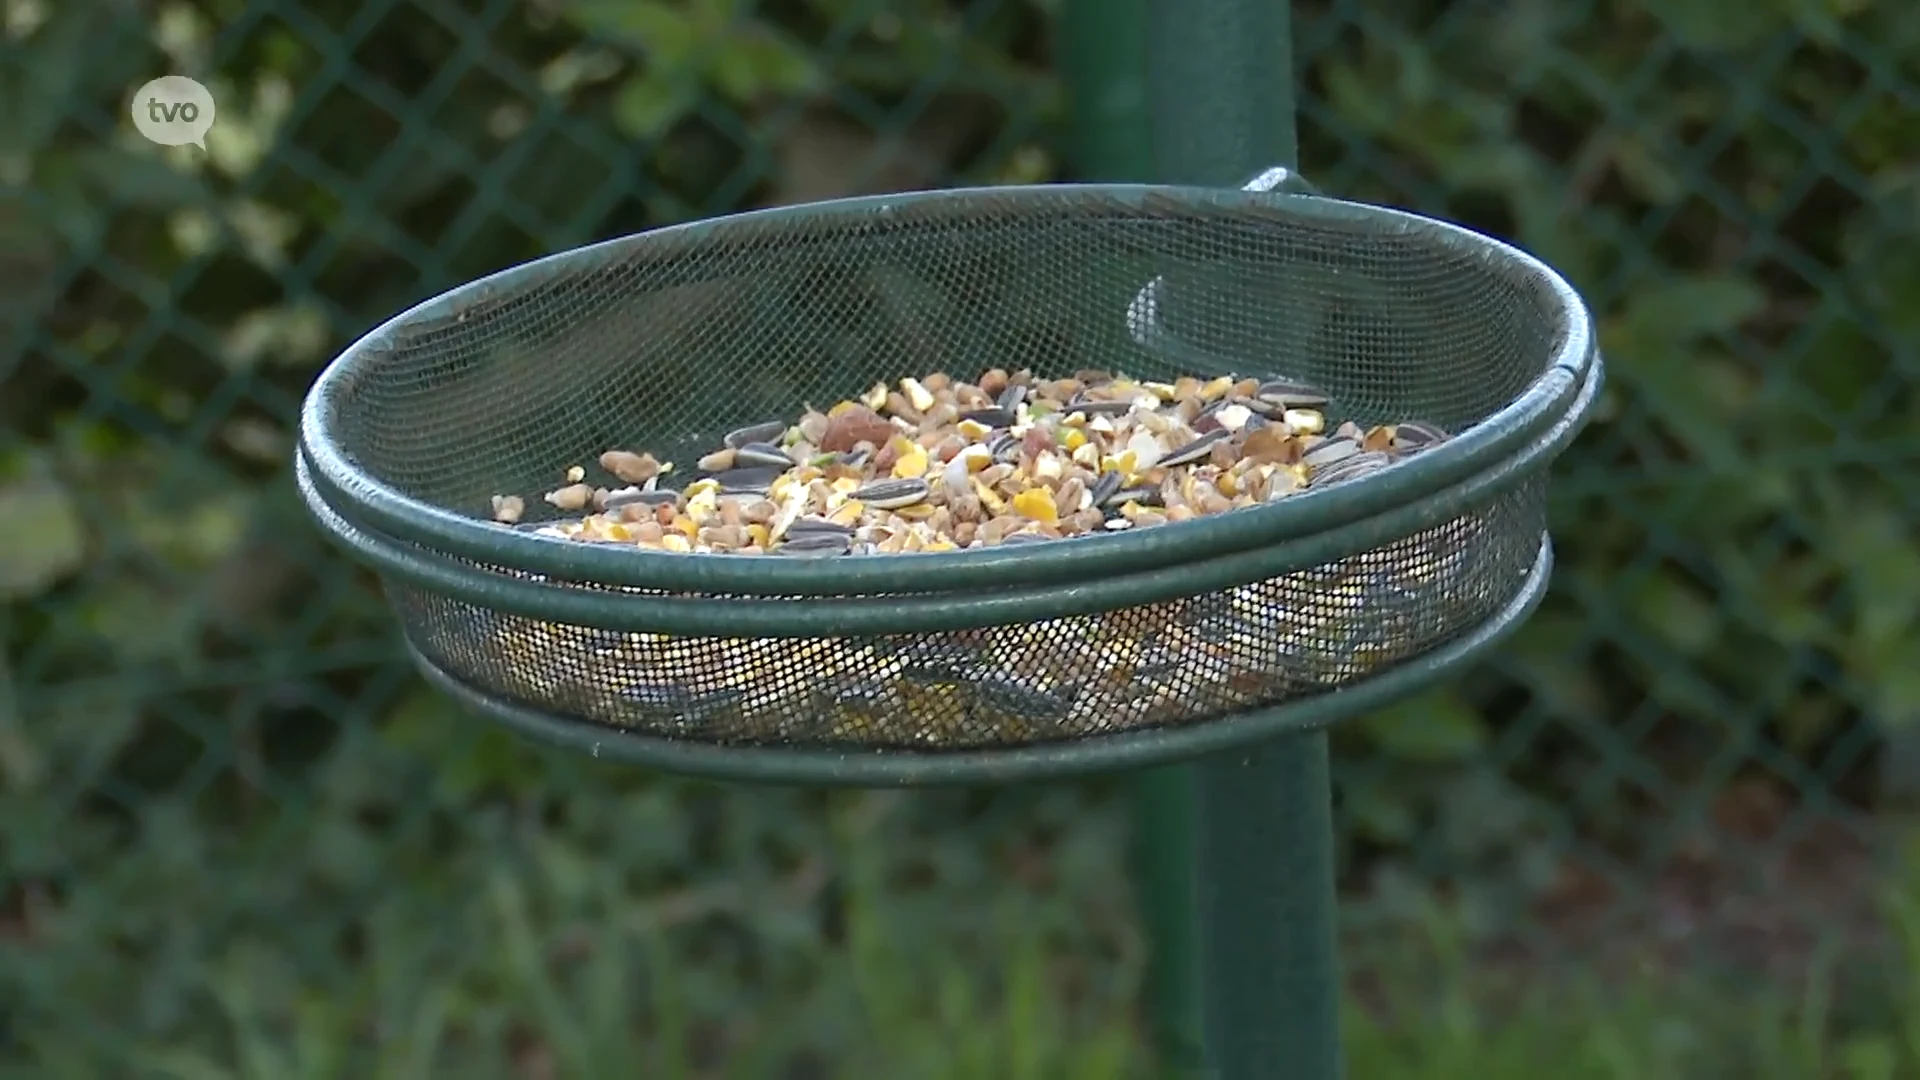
(411, 525)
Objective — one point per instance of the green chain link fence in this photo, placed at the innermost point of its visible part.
(240, 836)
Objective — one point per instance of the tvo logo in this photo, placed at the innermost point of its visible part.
(173, 110)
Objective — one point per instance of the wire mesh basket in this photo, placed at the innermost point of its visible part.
(1125, 302)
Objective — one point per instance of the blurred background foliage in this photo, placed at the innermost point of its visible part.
(241, 839)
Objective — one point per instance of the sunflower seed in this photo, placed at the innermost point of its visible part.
(1216, 605)
(713, 701)
(646, 496)
(1329, 452)
(1414, 435)
(931, 661)
(811, 525)
(1348, 468)
(744, 481)
(1195, 450)
(1105, 488)
(1158, 660)
(1254, 423)
(891, 494)
(1100, 408)
(993, 418)
(1011, 398)
(660, 697)
(1140, 496)
(1004, 448)
(755, 433)
(1289, 394)
(761, 454)
(855, 458)
(1023, 701)
(815, 544)
(863, 695)
(679, 702)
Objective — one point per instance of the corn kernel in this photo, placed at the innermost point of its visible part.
(912, 464)
(1035, 504)
(917, 395)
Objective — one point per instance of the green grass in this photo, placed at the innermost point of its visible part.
(1653, 1025)
(530, 1000)
(937, 1016)
(570, 921)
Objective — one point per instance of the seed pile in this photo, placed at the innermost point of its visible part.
(937, 464)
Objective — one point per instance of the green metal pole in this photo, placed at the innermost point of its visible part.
(1163, 825)
(1270, 976)
(1221, 79)
(1103, 56)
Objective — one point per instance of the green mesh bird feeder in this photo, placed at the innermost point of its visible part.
(977, 486)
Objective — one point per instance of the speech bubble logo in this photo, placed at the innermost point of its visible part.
(173, 110)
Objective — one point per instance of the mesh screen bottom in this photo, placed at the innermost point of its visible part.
(1175, 663)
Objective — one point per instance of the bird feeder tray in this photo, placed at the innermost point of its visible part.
(960, 486)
